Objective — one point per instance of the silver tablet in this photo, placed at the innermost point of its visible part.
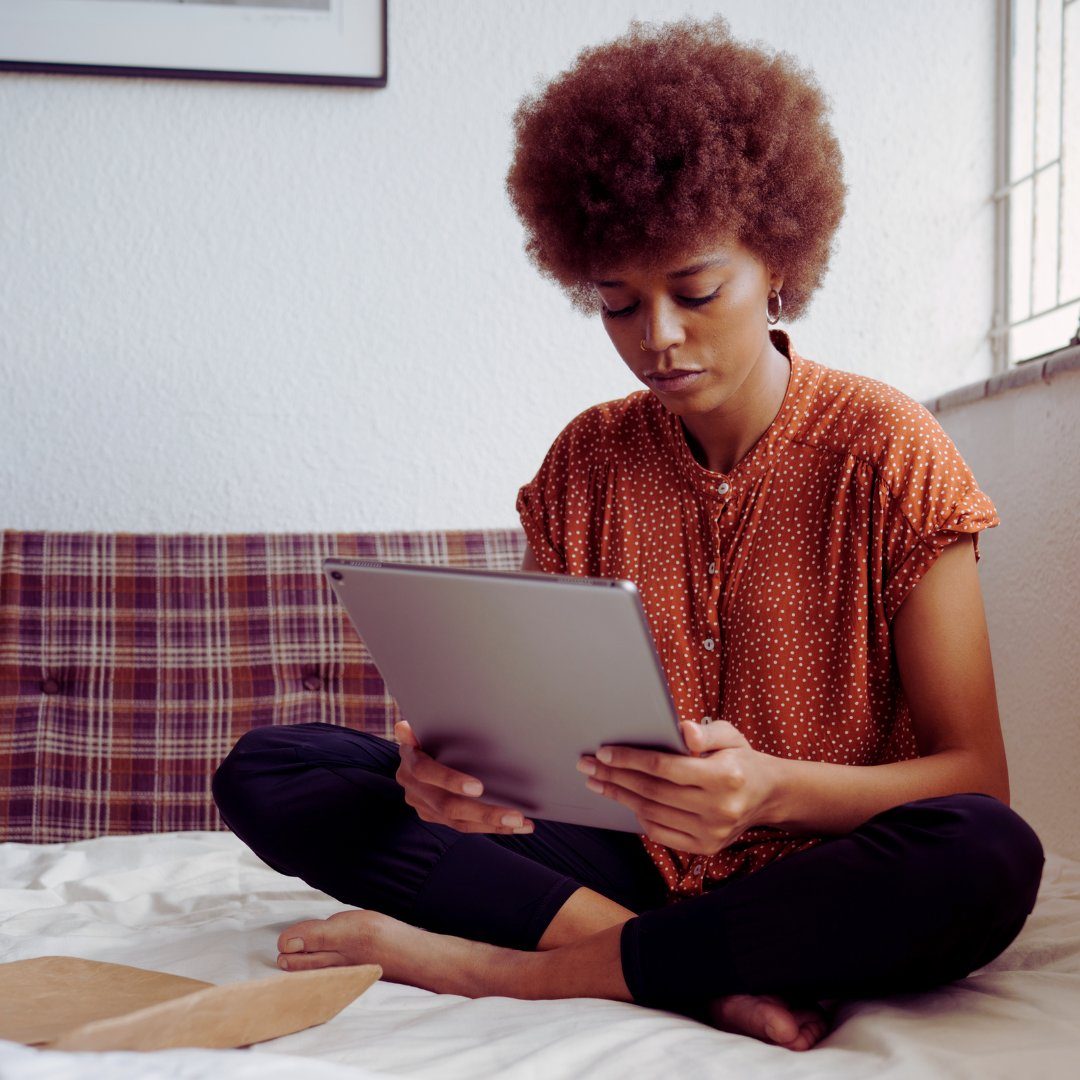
(511, 677)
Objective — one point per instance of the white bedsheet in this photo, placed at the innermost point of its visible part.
(200, 904)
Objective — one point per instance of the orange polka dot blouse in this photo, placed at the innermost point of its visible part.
(769, 590)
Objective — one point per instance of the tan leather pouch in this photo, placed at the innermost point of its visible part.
(66, 1003)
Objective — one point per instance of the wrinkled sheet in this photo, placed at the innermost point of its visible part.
(200, 904)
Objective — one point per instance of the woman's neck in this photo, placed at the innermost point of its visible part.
(721, 439)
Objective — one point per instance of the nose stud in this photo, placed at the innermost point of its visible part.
(643, 346)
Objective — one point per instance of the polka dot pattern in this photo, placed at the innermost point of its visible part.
(770, 590)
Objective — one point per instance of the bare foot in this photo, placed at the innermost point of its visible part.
(438, 962)
(770, 1019)
(452, 965)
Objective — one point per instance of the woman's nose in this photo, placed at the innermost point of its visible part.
(663, 328)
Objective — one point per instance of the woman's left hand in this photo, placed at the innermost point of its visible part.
(698, 803)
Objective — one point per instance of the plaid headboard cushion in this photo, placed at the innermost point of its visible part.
(130, 664)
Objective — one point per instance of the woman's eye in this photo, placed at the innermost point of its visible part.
(698, 301)
(686, 301)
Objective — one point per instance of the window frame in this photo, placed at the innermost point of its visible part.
(1001, 331)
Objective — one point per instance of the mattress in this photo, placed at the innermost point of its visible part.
(200, 904)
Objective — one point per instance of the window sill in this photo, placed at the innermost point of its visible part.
(1039, 368)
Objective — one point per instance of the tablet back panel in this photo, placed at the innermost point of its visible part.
(510, 677)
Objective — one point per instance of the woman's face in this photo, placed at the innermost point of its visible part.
(702, 314)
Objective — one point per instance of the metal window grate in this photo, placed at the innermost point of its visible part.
(1037, 195)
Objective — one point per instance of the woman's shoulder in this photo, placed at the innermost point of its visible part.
(873, 421)
(608, 426)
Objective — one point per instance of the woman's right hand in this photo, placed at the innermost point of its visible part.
(438, 794)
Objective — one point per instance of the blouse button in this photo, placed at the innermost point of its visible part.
(699, 869)
(50, 686)
(712, 568)
(313, 682)
(723, 488)
(706, 719)
(709, 644)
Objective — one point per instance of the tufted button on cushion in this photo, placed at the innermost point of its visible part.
(313, 682)
(50, 686)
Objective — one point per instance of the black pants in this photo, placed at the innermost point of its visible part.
(917, 896)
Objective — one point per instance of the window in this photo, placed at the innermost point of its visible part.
(1037, 307)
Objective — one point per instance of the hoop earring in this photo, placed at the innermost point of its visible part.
(642, 346)
(779, 308)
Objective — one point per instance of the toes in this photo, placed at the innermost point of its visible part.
(309, 961)
(772, 1018)
(811, 1032)
(302, 937)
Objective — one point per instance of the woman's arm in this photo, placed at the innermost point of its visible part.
(943, 655)
(704, 801)
(701, 803)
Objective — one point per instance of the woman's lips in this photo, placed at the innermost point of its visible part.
(669, 382)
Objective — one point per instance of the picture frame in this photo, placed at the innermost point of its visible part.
(336, 42)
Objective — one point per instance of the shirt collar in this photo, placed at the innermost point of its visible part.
(759, 458)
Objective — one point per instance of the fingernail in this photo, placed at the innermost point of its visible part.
(604, 754)
(587, 767)
(294, 944)
(283, 963)
(512, 819)
(472, 788)
(593, 785)
(525, 828)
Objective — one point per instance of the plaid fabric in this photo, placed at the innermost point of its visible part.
(130, 664)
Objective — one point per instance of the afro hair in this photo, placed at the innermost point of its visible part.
(672, 135)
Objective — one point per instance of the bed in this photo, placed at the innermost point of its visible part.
(200, 904)
(129, 665)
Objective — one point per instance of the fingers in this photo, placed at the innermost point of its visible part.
(471, 815)
(524, 829)
(405, 735)
(674, 838)
(439, 794)
(719, 735)
(658, 805)
(683, 800)
(426, 769)
(682, 769)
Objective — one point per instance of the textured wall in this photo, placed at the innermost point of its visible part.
(1023, 446)
(245, 307)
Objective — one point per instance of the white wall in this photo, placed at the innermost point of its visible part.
(1023, 446)
(245, 307)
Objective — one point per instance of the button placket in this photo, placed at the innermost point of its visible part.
(711, 640)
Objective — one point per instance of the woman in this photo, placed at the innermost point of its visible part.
(803, 541)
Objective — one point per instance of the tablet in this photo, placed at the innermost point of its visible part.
(512, 676)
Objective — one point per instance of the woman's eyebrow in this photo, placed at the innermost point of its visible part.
(686, 271)
(697, 268)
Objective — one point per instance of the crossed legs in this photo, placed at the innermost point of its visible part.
(921, 894)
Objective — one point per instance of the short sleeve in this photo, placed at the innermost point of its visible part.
(547, 505)
(927, 498)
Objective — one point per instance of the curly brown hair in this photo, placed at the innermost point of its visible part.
(670, 135)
